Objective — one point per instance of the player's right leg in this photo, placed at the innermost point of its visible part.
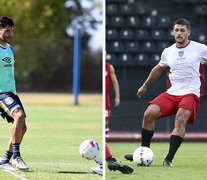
(148, 125)
(5, 162)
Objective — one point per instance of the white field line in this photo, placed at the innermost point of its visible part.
(62, 164)
(14, 174)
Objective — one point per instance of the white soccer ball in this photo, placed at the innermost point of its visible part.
(89, 149)
(143, 156)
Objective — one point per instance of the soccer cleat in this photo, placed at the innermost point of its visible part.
(19, 164)
(167, 163)
(129, 157)
(97, 170)
(116, 165)
(99, 160)
(8, 166)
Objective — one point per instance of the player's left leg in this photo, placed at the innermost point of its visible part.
(148, 125)
(178, 134)
(18, 131)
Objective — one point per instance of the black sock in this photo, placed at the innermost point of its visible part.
(175, 142)
(112, 158)
(146, 137)
(16, 152)
(6, 158)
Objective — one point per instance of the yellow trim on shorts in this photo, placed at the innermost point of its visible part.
(3, 106)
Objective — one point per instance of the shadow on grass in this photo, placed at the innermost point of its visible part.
(73, 172)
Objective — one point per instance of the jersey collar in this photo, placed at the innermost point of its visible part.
(183, 46)
(3, 47)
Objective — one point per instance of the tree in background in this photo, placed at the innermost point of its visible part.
(43, 50)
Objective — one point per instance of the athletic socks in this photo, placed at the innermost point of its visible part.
(175, 142)
(108, 152)
(6, 158)
(146, 137)
(110, 159)
(16, 152)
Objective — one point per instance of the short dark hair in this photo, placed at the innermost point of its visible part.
(6, 21)
(183, 22)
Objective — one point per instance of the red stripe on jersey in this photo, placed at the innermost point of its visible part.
(168, 79)
(107, 90)
(202, 79)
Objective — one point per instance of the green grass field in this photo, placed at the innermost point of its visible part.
(190, 162)
(56, 129)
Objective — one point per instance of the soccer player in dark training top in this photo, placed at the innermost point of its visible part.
(185, 60)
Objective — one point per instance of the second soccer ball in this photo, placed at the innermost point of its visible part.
(143, 156)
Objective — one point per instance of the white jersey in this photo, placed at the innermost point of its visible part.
(186, 68)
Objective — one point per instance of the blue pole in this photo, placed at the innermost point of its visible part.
(76, 64)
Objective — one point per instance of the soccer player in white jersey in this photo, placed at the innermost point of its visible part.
(10, 105)
(185, 59)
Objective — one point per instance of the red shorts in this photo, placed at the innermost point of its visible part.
(170, 104)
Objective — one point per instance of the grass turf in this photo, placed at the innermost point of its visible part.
(189, 162)
(56, 129)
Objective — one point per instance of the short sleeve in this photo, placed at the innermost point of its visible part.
(163, 61)
(204, 53)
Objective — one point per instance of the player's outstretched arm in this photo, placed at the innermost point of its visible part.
(115, 86)
(154, 75)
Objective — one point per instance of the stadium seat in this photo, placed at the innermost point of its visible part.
(162, 45)
(201, 9)
(127, 9)
(154, 12)
(117, 21)
(133, 21)
(126, 34)
(155, 58)
(164, 22)
(112, 9)
(149, 22)
(111, 34)
(133, 47)
(170, 35)
(111, 57)
(142, 9)
(142, 34)
(127, 58)
(202, 38)
(158, 34)
(148, 47)
(107, 21)
(194, 34)
(117, 46)
(142, 59)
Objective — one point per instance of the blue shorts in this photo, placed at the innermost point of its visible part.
(8, 103)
